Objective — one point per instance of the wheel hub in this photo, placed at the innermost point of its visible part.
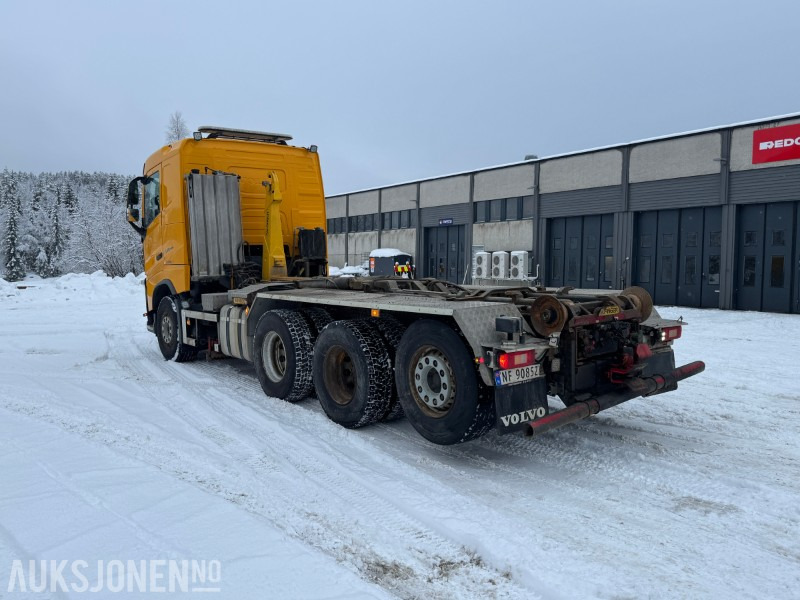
(434, 383)
(167, 329)
(274, 356)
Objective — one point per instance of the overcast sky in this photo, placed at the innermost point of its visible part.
(389, 91)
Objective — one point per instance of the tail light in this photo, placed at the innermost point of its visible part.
(671, 333)
(511, 360)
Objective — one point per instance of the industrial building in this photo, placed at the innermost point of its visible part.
(708, 218)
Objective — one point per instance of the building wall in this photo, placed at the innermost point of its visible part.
(438, 192)
(708, 173)
(336, 250)
(360, 245)
(598, 169)
(670, 159)
(402, 239)
(504, 183)
(363, 204)
(508, 236)
(335, 207)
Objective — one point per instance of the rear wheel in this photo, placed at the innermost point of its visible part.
(352, 373)
(392, 332)
(282, 355)
(439, 387)
(168, 333)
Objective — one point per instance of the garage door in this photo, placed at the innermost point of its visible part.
(581, 252)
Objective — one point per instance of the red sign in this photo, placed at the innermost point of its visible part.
(776, 144)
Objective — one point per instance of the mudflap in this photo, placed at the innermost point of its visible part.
(662, 361)
(518, 404)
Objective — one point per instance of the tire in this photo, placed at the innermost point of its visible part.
(168, 333)
(317, 319)
(282, 355)
(352, 373)
(392, 332)
(438, 385)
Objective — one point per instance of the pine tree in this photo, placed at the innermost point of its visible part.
(15, 269)
(70, 200)
(54, 247)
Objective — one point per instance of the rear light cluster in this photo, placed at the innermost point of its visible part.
(512, 360)
(671, 333)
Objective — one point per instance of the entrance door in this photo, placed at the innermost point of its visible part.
(750, 256)
(572, 252)
(691, 257)
(445, 252)
(644, 266)
(555, 267)
(777, 284)
(667, 257)
(712, 250)
(591, 252)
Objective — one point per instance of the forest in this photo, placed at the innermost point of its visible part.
(66, 222)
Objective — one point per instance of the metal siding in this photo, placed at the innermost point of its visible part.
(215, 223)
(778, 184)
(685, 192)
(580, 202)
(458, 212)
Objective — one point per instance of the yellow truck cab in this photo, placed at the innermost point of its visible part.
(184, 206)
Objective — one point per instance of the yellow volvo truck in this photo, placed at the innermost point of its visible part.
(233, 227)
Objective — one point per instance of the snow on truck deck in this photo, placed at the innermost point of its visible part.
(109, 452)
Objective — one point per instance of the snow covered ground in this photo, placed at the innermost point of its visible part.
(107, 452)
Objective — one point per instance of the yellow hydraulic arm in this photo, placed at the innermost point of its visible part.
(274, 263)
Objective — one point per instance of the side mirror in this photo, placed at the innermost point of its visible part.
(133, 202)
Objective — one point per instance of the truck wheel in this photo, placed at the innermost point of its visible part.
(282, 355)
(317, 319)
(439, 387)
(352, 373)
(392, 332)
(167, 328)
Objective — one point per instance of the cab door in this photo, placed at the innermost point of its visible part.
(151, 221)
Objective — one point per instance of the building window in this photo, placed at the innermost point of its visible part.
(609, 242)
(666, 269)
(556, 243)
(778, 237)
(412, 219)
(497, 211)
(749, 271)
(353, 224)
(644, 270)
(689, 270)
(330, 226)
(362, 223)
(647, 241)
(480, 212)
(395, 219)
(527, 207)
(513, 209)
(342, 224)
(691, 240)
(591, 267)
(776, 272)
(387, 220)
(713, 269)
(749, 238)
(714, 239)
(608, 268)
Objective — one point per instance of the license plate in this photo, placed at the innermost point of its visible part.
(517, 375)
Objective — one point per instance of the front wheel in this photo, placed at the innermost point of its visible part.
(438, 385)
(282, 355)
(168, 333)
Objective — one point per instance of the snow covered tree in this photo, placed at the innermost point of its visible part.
(70, 201)
(176, 129)
(14, 265)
